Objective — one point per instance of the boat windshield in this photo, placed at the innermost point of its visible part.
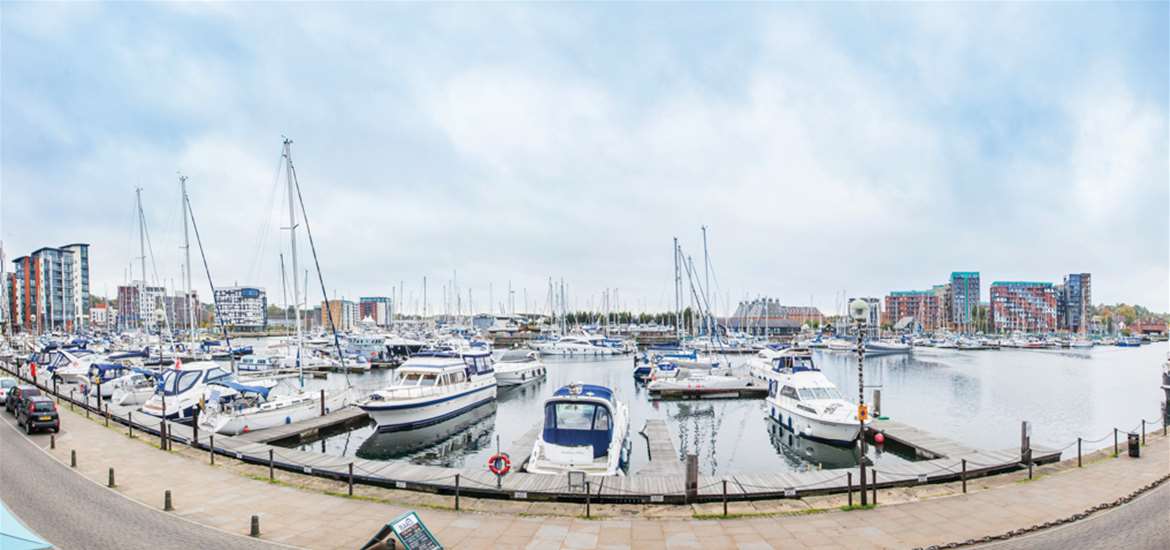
(578, 424)
(176, 382)
(409, 379)
(428, 380)
(819, 393)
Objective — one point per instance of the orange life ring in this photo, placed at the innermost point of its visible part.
(500, 464)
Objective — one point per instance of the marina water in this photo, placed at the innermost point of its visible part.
(978, 398)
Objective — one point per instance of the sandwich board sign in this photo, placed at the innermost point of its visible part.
(413, 534)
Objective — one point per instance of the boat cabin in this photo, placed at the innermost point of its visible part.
(580, 415)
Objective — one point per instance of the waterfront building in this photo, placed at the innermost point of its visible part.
(922, 306)
(99, 316)
(1023, 306)
(176, 306)
(761, 309)
(377, 308)
(1074, 301)
(141, 306)
(344, 312)
(49, 290)
(242, 308)
(963, 300)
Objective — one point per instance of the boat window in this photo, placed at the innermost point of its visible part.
(427, 380)
(575, 416)
(410, 379)
(601, 419)
(456, 377)
(789, 391)
(184, 381)
(214, 374)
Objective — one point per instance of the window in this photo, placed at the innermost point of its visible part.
(789, 391)
(601, 419)
(427, 380)
(410, 379)
(215, 374)
(43, 406)
(184, 381)
(575, 416)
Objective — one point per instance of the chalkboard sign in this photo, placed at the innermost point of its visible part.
(413, 534)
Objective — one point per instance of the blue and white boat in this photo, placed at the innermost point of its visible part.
(431, 387)
(178, 393)
(586, 430)
(802, 399)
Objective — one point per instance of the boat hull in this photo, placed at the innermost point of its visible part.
(405, 416)
(813, 428)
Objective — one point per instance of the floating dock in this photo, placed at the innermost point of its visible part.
(308, 429)
(660, 446)
(747, 388)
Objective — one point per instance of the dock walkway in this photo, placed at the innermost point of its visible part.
(660, 446)
(343, 417)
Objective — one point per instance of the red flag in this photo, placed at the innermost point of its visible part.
(33, 367)
(178, 364)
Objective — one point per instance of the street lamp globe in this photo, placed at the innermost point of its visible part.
(859, 310)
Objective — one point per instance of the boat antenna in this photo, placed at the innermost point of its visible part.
(214, 298)
(316, 263)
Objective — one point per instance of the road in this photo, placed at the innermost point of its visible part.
(1141, 524)
(73, 512)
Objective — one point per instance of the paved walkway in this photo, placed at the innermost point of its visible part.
(226, 495)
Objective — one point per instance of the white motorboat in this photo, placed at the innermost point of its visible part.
(1081, 343)
(517, 367)
(841, 344)
(577, 346)
(257, 363)
(805, 402)
(431, 387)
(886, 347)
(585, 429)
(134, 388)
(701, 383)
(233, 408)
(177, 396)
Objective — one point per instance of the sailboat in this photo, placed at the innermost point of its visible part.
(232, 407)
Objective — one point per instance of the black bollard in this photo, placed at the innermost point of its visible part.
(255, 532)
(1078, 452)
(110, 483)
(963, 476)
(725, 498)
(1143, 432)
(351, 479)
(72, 458)
(162, 434)
(52, 441)
(167, 501)
(588, 497)
(873, 483)
(55, 392)
(271, 472)
(322, 402)
(1115, 443)
(1030, 469)
(849, 486)
(71, 399)
(107, 416)
(130, 424)
(456, 492)
(195, 427)
(211, 448)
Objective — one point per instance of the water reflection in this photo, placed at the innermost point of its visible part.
(799, 452)
(442, 444)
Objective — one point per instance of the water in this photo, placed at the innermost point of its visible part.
(975, 397)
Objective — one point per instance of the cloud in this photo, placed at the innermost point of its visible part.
(517, 143)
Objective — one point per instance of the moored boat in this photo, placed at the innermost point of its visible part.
(517, 367)
(802, 399)
(585, 429)
(433, 386)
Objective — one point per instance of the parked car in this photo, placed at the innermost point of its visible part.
(38, 412)
(17, 394)
(6, 383)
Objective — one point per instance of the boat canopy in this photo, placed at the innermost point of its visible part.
(258, 390)
(584, 423)
(587, 390)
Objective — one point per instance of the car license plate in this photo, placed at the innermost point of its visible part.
(45, 418)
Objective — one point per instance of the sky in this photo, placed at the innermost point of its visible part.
(829, 149)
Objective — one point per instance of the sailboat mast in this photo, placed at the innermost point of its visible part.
(706, 281)
(142, 258)
(187, 263)
(677, 295)
(292, 239)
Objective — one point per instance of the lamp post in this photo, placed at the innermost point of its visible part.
(859, 311)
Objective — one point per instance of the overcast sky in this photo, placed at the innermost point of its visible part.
(827, 148)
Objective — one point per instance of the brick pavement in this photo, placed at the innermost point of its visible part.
(298, 511)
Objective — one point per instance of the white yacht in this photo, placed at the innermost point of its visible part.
(233, 408)
(577, 346)
(841, 344)
(257, 363)
(585, 429)
(431, 387)
(804, 401)
(702, 383)
(134, 388)
(886, 347)
(181, 388)
(518, 366)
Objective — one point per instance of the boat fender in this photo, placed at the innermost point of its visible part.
(288, 420)
(500, 464)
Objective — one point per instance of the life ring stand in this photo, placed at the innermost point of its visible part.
(500, 464)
